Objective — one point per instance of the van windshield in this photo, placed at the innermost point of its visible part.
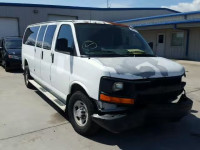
(104, 40)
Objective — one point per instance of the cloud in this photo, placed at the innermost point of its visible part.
(184, 7)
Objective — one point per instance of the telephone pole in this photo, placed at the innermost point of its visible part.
(107, 3)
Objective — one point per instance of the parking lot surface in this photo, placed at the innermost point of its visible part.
(29, 121)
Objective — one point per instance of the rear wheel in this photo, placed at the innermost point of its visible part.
(80, 110)
(27, 77)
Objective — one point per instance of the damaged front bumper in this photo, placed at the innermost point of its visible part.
(120, 122)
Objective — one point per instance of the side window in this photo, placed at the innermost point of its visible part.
(49, 37)
(30, 36)
(65, 41)
(41, 36)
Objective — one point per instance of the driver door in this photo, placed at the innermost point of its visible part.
(62, 63)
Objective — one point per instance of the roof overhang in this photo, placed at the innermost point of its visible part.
(81, 8)
(170, 24)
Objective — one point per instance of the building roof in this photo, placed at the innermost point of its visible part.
(82, 8)
(167, 23)
(159, 16)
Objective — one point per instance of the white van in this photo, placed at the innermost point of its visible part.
(102, 75)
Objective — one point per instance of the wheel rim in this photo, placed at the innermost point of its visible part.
(80, 112)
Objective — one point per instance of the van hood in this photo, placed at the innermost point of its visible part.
(141, 67)
(14, 51)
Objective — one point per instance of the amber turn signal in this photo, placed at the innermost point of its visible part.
(116, 99)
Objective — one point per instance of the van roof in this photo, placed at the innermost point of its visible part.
(80, 21)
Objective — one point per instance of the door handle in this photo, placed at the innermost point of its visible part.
(42, 55)
(52, 57)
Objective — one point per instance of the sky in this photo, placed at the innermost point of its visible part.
(179, 5)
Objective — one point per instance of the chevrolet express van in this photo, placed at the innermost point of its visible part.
(102, 75)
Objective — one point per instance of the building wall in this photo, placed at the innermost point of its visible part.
(168, 24)
(26, 15)
(176, 52)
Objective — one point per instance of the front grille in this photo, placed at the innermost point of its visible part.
(152, 83)
(161, 90)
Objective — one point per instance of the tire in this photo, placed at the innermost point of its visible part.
(6, 67)
(87, 127)
(27, 77)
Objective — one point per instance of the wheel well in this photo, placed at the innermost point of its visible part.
(74, 88)
(77, 87)
(25, 63)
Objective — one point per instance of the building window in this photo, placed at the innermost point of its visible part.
(177, 39)
(161, 38)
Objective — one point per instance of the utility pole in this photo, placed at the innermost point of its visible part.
(107, 3)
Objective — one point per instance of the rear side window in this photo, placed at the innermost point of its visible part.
(49, 37)
(41, 36)
(30, 36)
(65, 41)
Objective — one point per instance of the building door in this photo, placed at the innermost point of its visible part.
(9, 27)
(160, 45)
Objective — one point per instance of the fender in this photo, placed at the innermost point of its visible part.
(81, 84)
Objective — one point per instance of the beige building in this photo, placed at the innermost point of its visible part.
(174, 36)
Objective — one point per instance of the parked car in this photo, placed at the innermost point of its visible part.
(102, 75)
(0, 51)
(10, 52)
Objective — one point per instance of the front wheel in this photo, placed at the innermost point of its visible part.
(80, 109)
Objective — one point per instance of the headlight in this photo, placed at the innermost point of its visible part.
(117, 86)
(10, 56)
(116, 91)
(14, 57)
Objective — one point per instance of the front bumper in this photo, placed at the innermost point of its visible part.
(14, 63)
(120, 122)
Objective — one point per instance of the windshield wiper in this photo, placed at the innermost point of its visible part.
(144, 55)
